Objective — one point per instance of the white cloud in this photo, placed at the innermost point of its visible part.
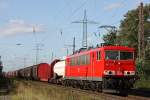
(15, 27)
(113, 6)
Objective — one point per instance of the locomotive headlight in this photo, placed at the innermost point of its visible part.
(129, 72)
(109, 72)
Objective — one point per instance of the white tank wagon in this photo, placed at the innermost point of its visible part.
(59, 69)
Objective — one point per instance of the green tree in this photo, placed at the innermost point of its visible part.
(128, 30)
(128, 36)
(110, 38)
(129, 27)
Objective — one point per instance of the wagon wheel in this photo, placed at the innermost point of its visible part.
(63, 82)
(73, 84)
(93, 86)
(81, 85)
(85, 86)
(99, 87)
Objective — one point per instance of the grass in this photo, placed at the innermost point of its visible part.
(31, 90)
(28, 90)
(142, 84)
(144, 81)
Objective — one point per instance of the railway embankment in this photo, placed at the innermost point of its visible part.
(33, 90)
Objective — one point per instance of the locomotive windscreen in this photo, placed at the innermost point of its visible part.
(126, 55)
(118, 55)
(112, 55)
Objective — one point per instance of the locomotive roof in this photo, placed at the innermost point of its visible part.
(118, 48)
(122, 48)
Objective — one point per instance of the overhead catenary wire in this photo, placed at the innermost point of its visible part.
(85, 21)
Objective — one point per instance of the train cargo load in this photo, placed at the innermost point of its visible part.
(59, 69)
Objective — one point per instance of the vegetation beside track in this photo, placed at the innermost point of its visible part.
(5, 85)
(142, 84)
(29, 90)
(32, 90)
(144, 78)
(127, 36)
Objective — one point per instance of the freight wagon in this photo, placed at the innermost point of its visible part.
(36, 72)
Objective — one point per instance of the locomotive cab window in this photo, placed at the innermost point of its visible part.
(98, 55)
(118, 55)
(126, 55)
(112, 55)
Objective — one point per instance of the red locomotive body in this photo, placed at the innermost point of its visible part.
(109, 66)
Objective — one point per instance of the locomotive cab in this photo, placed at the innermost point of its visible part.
(119, 68)
(119, 63)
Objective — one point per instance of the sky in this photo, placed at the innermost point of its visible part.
(48, 23)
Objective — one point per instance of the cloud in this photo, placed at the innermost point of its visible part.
(113, 6)
(16, 27)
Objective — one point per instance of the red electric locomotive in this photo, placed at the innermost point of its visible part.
(106, 67)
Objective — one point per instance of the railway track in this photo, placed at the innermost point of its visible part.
(103, 96)
(107, 96)
(98, 96)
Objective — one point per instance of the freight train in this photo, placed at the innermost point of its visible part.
(97, 69)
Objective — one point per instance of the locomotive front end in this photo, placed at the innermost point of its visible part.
(119, 68)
